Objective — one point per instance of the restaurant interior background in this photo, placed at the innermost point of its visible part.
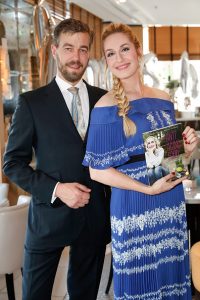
(170, 40)
(169, 32)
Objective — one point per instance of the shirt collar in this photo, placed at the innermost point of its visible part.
(64, 85)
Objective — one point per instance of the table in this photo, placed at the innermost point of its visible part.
(193, 122)
(192, 196)
(192, 200)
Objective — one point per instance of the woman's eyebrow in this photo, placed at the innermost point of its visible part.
(125, 44)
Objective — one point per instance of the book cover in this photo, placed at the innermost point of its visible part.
(164, 152)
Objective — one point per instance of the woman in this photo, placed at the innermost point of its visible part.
(149, 238)
(154, 155)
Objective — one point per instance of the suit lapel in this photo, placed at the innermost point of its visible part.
(91, 105)
(91, 97)
(62, 114)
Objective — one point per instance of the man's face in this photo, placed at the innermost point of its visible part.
(72, 56)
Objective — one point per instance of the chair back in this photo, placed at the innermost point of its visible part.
(23, 199)
(3, 193)
(13, 220)
(4, 203)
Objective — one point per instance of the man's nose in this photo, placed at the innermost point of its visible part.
(76, 54)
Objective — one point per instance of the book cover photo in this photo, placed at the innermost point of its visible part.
(164, 152)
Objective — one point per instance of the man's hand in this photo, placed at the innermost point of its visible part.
(73, 194)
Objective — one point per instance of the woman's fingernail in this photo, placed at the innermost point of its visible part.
(173, 173)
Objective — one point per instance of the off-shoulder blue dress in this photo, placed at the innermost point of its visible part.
(149, 233)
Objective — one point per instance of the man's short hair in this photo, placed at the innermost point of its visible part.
(71, 26)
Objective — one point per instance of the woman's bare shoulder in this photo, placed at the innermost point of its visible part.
(161, 94)
(106, 100)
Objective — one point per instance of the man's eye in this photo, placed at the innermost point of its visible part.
(85, 51)
(68, 49)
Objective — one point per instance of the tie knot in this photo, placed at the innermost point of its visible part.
(73, 90)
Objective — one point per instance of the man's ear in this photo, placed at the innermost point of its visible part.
(53, 50)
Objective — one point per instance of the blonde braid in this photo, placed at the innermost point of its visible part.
(123, 107)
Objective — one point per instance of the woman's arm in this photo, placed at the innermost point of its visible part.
(114, 178)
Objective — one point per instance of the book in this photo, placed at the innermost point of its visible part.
(164, 152)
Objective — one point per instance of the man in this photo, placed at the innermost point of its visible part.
(67, 208)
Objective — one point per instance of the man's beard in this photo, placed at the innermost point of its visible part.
(70, 76)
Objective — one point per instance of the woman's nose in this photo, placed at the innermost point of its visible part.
(118, 57)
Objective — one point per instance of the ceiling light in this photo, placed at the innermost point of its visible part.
(120, 1)
(134, 21)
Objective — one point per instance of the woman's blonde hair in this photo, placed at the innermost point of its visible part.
(119, 94)
(155, 140)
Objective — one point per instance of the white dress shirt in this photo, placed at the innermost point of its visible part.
(83, 94)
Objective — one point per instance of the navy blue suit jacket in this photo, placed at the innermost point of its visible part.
(42, 125)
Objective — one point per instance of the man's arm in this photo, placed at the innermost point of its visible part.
(18, 156)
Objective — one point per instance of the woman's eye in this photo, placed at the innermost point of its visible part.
(110, 54)
(125, 49)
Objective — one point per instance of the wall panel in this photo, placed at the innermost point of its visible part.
(168, 43)
(163, 42)
(152, 39)
(75, 11)
(97, 39)
(194, 42)
(179, 41)
(94, 23)
(138, 31)
(57, 8)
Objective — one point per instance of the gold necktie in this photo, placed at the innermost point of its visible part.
(77, 112)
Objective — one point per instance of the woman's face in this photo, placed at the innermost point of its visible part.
(151, 144)
(121, 55)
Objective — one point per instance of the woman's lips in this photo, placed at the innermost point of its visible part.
(122, 67)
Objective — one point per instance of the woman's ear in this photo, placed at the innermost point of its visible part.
(140, 52)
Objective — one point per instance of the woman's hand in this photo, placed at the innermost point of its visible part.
(165, 184)
(190, 139)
